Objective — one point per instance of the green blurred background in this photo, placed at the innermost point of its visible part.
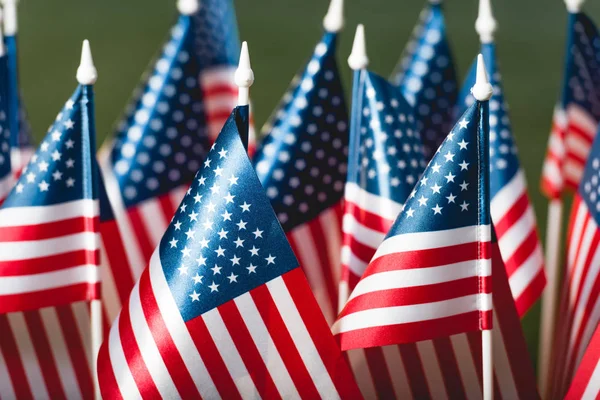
(126, 34)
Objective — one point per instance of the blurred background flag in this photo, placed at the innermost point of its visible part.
(512, 213)
(427, 77)
(586, 384)
(385, 162)
(302, 163)
(6, 177)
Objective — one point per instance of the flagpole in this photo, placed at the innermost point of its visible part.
(87, 75)
(482, 91)
(244, 78)
(10, 26)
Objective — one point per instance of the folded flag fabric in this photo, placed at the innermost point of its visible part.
(577, 113)
(512, 212)
(302, 165)
(385, 162)
(586, 384)
(223, 309)
(427, 78)
(6, 177)
(431, 275)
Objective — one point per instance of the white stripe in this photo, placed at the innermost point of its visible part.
(583, 253)
(266, 347)
(527, 272)
(577, 231)
(385, 208)
(60, 353)
(331, 227)
(431, 367)
(506, 197)
(556, 143)
(511, 240)
(502, 367)
(81, 314)
(25, 250)
(297, 329)
(361, 233)
(229, 354)
(408, 314)
(578, 146)
(217, 103)
(433, 240)
(153, 219)
(405, 278)
(354, 264)
(362, 373)
(110, 295)
(6, 386)
(179, 331)
(581, 117)
(552, 173)
(397, 371)
(12, 285)
(573, 170)
(28, 355)
(593, 386)
(19, 216)
(217, 76)
(123, 376)
(587, 330)
(466, 366)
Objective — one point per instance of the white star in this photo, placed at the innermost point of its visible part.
(228, 198)
(201, 260)
(215, 189)
(183, 270)
(239, 242)
(251, 269)
(43, 166)
(57, 175)
(422, 201)
(222, 234)
(177, 226)
(232, 278)
(436, 167)
(220, 252)
(70, 182)
(464, 165)
(451, 198)
(207, 224)
(463, 124)
(43, 185)
(193, 216)
(463, 186)
(213, 287)
(195, 296)
(56, 155)
(211, 207)
(449, 156)
(233, 180)
(44, 146)
(257, 233)
(410, 212)
(204, 243)
(424, 181)
(450, 177)
(56, 136)
(464, 206)
(463, 145)
(197, 278)
(254, 251)
(186, 252)
(216, 270)
(437, 209)
(30, 177)
(70, 163)
(69, 143)
(450, 138)
(218, 171)
(245, 207)
(69, 124)
(197, 198)
(190, 234)
(202, 180)
(173, 243)
(183, 207)
(207, 163)
(235, 260)
(226, 216)
(20, 188)
(436, 188)
(270, 259)
(223, 153)
(242, 225)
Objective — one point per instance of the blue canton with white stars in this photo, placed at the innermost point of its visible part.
(504, 160)
(162, 141)
(388, 158)
(589, 188)
(427, 77)
(17, 116)
(302, 162)
(64, 167)
(5, 167)
(224, 240)
(453, 191)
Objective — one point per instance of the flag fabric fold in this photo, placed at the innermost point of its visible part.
(223, 309)
(6, 177)
(512, 212)
(302, 166)
(586, 384)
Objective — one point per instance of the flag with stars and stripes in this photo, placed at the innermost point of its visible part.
(512, 213)
(579, 309)
(386, 160)
(427, 78)
(431, 275)
(49, 242)
(577, 113)
(302, 163)
(6, 176)
(223, 309)
(586, 384)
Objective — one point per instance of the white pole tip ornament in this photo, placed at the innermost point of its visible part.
(10, 17)
(574, 6)
(2, 47)
(486, 24)
(188, 7)
(244, 76)
(334, 20)
(86, 73)
(358, 58)
(482, 90)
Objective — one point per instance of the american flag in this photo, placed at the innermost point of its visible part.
(385, 162)
(427, 78)
(577, 113)
(302, 165)
(586, 384)
(579, 311)
(223, 309)
(6, 177)
(512, 213)
(431, 275)
(49, 240)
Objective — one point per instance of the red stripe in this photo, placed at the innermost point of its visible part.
(361, 251)
(106, 376)
(449, 368)
(367, 218)
(580, 132)
(589, 364)
(414, 371)
(167, 348)
(531, 294)
(141, 234)
(48, 230)
(13, 360)
(320, 333)
(167, 207)
(525, 249)
(322, 245)
(379, 371)
(512, 215)
(49, 298)
(213, 89)
(56, 262)
(575, 159)
(284, 343)
(117, 259)
(44, 355)
(248, 352)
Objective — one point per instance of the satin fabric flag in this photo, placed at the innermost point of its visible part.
(427, 78)
(6, 177)
(586, 384)
(512, 212)
(223, 309)
(302, 165)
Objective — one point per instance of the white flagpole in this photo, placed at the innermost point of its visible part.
(244, 76)
(87, 75)
(334, 19)
(482, 91)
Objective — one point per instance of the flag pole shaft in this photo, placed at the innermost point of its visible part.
(488, 365)
(553, 240)
(96, 327)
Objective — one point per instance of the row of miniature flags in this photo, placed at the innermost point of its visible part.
(351, 256)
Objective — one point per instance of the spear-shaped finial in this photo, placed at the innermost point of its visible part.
(486, 24)
(482, 90)
(358, 58)
(187, 7)
(574, 6)
(86, 73)
(10, 17)
(244, 77)
(334, 20)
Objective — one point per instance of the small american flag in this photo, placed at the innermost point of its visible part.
(431, 275)
(512, 213)
(586, 384)
(49, 242)
(579, 311)
(427, 78)
(302, 166)
(577, 113)
(223, 309)
(7, 180)
(385, 162)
